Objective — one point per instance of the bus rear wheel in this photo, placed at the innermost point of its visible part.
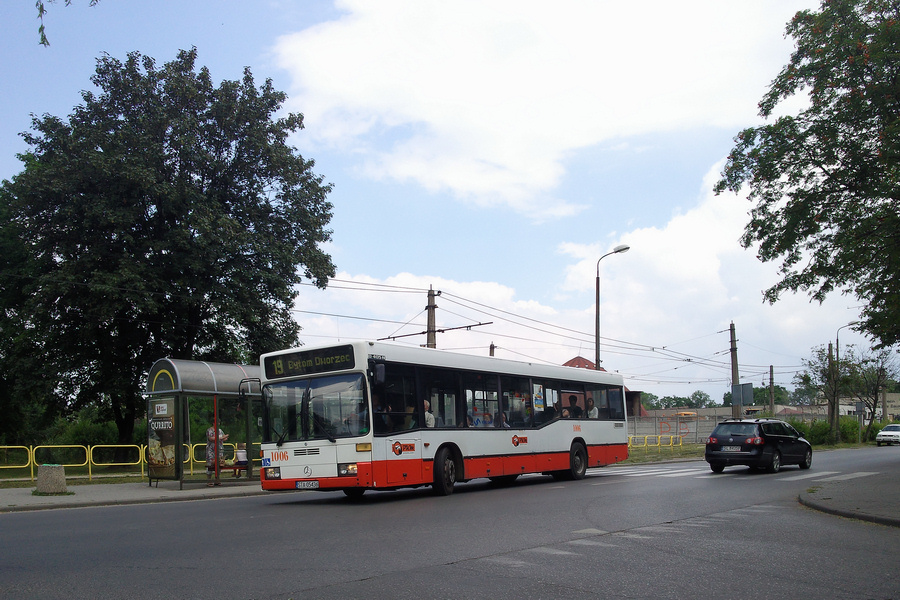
(577, 461)
(577, 464)
(444, 472)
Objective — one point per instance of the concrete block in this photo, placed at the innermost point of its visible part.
(51, 479)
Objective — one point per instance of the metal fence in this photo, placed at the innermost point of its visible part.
(694, 429)
(22, 460)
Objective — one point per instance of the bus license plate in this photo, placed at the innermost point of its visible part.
(731, 448)
(307, 485)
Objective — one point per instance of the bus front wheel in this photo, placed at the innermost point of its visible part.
(444, 472)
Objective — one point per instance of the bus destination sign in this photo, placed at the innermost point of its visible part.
(308, 362)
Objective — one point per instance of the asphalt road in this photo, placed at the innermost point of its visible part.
(655, 531)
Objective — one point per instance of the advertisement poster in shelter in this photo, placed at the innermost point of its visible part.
(162, 439)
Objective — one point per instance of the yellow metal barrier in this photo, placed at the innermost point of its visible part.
(656, 441)
(27, 457)
(31, 456)
(140, 460)
(34, 460)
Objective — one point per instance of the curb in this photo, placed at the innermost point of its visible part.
(808, 502)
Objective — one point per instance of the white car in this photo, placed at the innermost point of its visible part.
(889, 435)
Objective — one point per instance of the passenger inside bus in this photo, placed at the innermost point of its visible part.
(575, 411)
(410, 421)
(380, 416)
(429, 418)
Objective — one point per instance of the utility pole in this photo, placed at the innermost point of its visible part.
(735, 377)
(833, 402)
(431, 333)
(772, 389)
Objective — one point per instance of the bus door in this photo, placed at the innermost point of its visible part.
(403, 417)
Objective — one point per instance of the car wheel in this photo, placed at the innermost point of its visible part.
(878, 444)
(716, 468)
(444, 472)
(807, 460)
(775, 465)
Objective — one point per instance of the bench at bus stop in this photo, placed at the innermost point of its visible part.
(235, 469)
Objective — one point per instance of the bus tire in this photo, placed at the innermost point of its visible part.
(444, 472)
(354, 493)
(577, 461)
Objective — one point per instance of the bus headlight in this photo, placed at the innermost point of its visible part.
(273, 473)
(347, 470)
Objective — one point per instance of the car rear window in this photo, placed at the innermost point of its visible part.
(736, 429)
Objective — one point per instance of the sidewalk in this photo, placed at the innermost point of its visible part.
(877, 500)
(110, 494)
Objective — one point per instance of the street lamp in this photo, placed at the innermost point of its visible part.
(836, 415)
(617, 250)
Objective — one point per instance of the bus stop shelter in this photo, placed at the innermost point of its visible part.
(171, 384)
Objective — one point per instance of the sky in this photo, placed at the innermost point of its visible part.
(493, 151)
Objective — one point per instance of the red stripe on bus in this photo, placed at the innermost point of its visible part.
(410, 472)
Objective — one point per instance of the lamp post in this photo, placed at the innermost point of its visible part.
(836, 416)
(617, 250)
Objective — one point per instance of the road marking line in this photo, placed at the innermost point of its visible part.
(848, 476)
(807, 475)
(590, 532)
(683, 473)
(511, 562)
(590, 543)
(647, 473)
(553, 551)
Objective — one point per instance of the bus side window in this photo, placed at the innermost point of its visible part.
(545, 401)
(400, 397)
(482, 400)
(616, 404)
(440, 388)
(516, 403)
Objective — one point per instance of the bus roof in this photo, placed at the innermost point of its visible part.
(455, 360)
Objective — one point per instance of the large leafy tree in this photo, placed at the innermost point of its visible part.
(166, 217)
(824, 182)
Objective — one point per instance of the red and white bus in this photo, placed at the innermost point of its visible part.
(353, 417)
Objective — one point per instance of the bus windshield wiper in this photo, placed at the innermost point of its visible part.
(281, 438)
(321, 422)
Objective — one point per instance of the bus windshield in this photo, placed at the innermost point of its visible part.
(327, 407)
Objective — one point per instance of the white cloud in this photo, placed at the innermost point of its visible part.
(679, 287)
(487, 100)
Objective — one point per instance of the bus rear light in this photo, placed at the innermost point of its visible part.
(347, 470)
(272, 473)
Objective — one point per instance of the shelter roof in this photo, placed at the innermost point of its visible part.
(197, 377)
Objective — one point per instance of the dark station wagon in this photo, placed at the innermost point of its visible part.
(757, 443)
